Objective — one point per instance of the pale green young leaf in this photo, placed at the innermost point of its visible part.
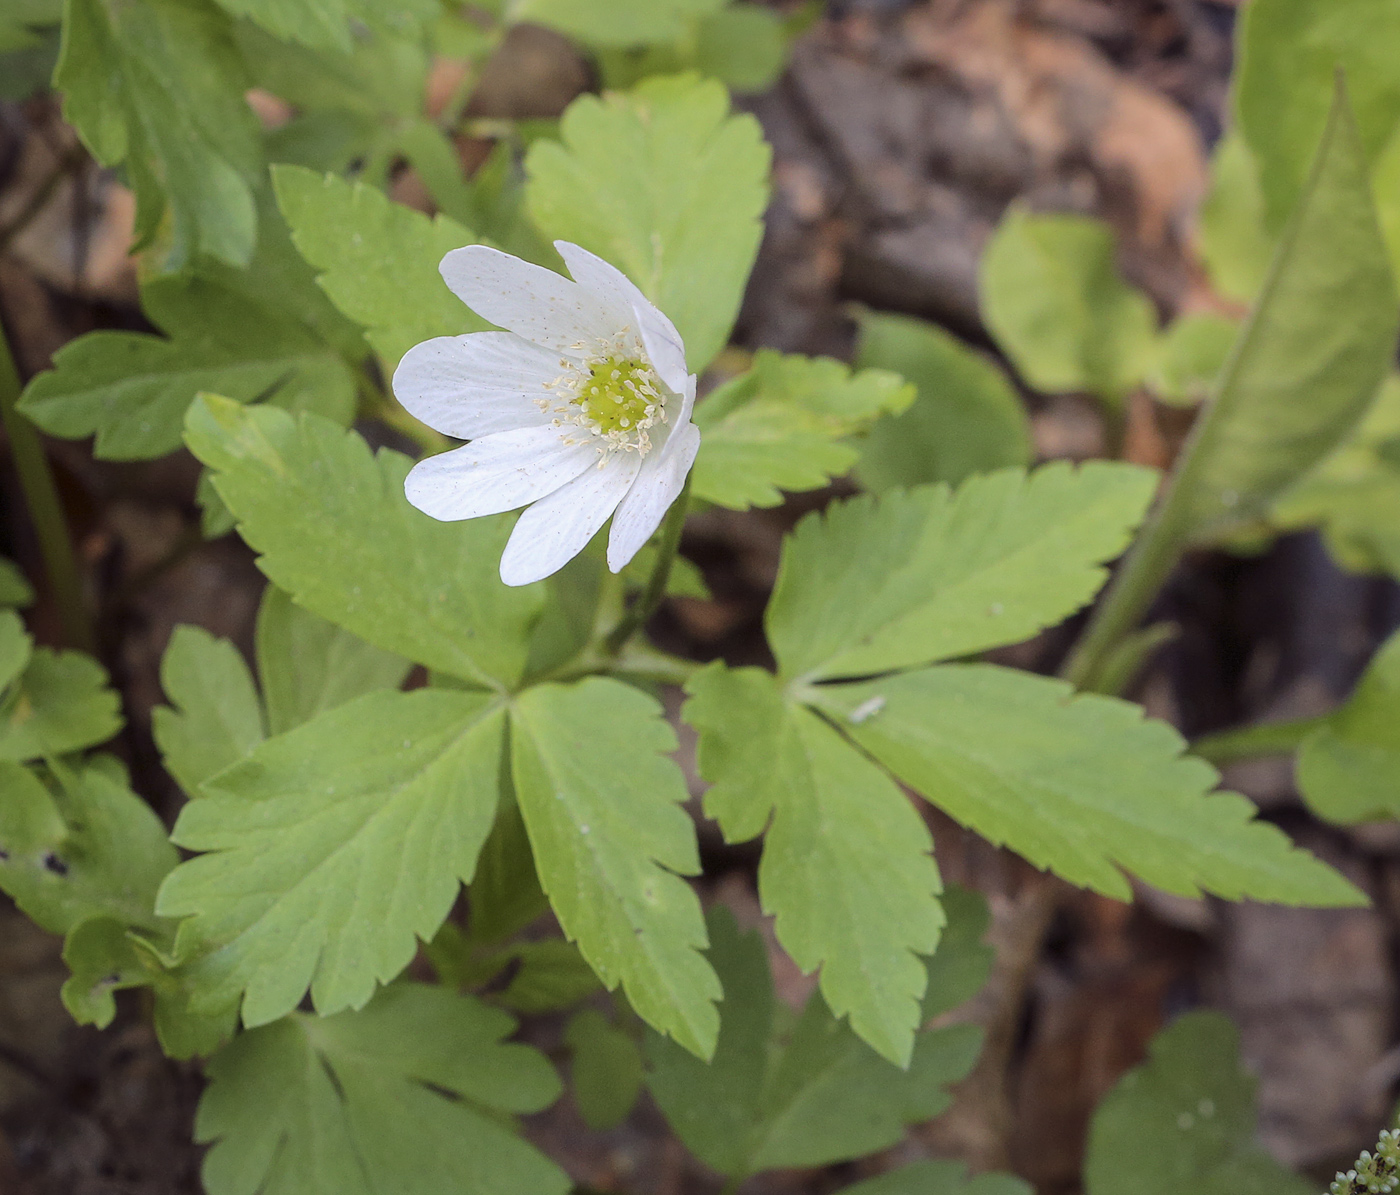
(1310, 357)
(781, 426)
(1290, 54)
(966, 417)
(1190, 356)
(606, 1069)
(336, 532)
(15, 590)
(1053, 298)
(131, 389)
(332, 847)
(1349, 768)
(938, 1178)
(846, 870)
(1083, 786)
(1184, 1121)
(409, 1094)
(60, 703)
(668, 186)
(16, 647)
(214, 718)
(85, 847)
(1234, 244)
(1353, 495)
(602, 802)
(822, 1095)
(931, 573)
(744, 46)
(308, 665)
(159, 86)
(615, 22)
(378, 259)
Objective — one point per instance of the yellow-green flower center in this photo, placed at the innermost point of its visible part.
(618, 393)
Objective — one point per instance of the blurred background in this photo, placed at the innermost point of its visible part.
(901, 133)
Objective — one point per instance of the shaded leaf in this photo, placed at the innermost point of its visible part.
(966, 417)
(1184, 1121)
(407, 1095)
(606, 1070)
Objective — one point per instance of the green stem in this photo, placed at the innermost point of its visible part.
(379, 404)
(1247, 742)
(661, 573)
(45, 509)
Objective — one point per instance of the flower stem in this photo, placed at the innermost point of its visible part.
(41, 496)
(661, 573)
(1247, 742)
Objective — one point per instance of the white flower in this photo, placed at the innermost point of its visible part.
(580, 410)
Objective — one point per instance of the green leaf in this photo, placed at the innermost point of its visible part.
(308, 665)
(938, 1178)
(336, 532)
(960, 967)
(1080, 784)
(505, 893)
(552, 975)
(1053, 298)
(931, 573)
(1190, 356)
(966, 417)
(159, 85)
(408, 1095)
(1310, 357)
(61, 703)
(87, 847)
(132, 389)
(1349, 768)
(378, 259)
(1234, 244)
(1184, 1121)
(16, 647)
(744, 46)
(601, 800)
(820, 1096)
(606, 1070)
(215, 718)
(1290, 53)
(779, 426)
(323, 24)
(668, 186)
(331, 846)
(846, 869)
(1353, 494)
(15, 589)
(615, 22)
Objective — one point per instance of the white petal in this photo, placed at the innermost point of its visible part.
(557, 528)
(659, 335)
(527, 299)
(496, 473)
(658, 485)
(469, 386)
(687, 394)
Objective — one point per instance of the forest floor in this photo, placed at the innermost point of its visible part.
(900, 132)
